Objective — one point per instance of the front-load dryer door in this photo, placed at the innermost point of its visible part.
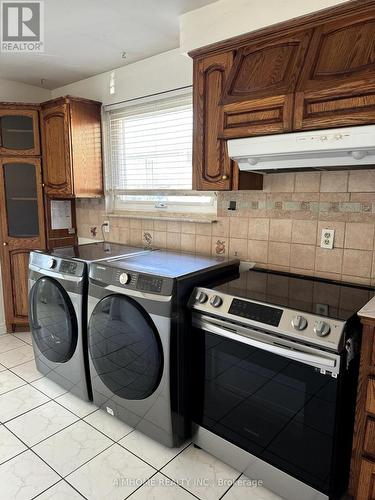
(53, 320)
(125, 348)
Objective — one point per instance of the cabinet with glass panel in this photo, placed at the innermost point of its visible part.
(21, 206)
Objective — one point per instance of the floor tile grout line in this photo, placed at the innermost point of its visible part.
(231, 486)
(50, 487)
(174, 481)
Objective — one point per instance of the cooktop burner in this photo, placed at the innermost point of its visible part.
(313, 295)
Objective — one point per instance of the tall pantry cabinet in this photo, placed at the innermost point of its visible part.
(22, 227)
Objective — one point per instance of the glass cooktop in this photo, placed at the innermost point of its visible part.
(327, 298)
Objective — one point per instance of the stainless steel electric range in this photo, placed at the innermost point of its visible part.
(275, 365)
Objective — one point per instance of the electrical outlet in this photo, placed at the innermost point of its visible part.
(106, 226)
(327, 238)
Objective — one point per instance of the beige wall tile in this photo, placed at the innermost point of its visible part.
(362, 181)
(221, 227)
(203, 244)
(279, 183)
(339, 228)
(188, 227)
(357, 263)
(188, 242)
(356, 279)
(124, 235)
(304, 231)
(238, 248)
(279, 253)
(135, 237)
(160, 239)
(174, 241)
(328, 260)
(280, 230)
(302, 256)
(174, 227)
(307, 182)
(160, 225)
(135, 223)
(147, 224)
(335, 182)
(238, 227)
(219, 246)
(259, 229)
(204, 229)
(257, 251)
(359, 236)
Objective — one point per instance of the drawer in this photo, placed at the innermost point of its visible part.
(366, 483)
(369, 442)
(370, 398)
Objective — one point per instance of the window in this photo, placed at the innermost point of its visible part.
(149, 155)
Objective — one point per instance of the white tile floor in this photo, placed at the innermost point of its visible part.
(55, 446)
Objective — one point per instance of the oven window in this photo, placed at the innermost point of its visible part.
(280, 410)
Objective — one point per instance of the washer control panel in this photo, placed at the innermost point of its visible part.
(57, 264)
(313, 329)
(147, 283)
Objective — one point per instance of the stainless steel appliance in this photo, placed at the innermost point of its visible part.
(58, 283)
(138, 337)
(275, 372)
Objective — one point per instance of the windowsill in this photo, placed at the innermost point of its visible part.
(170, 216)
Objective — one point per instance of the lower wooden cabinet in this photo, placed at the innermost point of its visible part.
(366, 483)
(362, 474)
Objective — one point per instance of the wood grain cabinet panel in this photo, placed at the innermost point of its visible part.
(212, 166)
(72, 154)
(369, 442)
(370, 399)
(337, 86)
(366, 483)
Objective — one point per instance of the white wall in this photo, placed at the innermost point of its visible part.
(166, 71)
(226, 18)
(20, 92)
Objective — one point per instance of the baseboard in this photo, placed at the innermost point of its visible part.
(3, 328)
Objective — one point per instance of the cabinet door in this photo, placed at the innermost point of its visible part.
(22, 230)
(19, 132)
(212, 166)
(366, 483)
(337, 86)
(57, 169)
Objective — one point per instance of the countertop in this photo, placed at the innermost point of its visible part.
(368, 311)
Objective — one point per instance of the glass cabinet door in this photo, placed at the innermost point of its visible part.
(19, 132)
(22, 207)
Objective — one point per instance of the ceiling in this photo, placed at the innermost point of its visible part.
(87, 37)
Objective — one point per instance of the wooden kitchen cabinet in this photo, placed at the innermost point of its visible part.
(22, 230)
(313, 72)
(19, 130)
(362, 473)
(337, 84)
(72, 152)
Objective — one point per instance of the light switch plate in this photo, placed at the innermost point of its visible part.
(327, 238)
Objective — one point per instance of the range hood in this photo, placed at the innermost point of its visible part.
(331, 149)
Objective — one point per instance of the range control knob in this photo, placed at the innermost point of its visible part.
(299, 322)
(52, 263)
(124, 278)
(216, 301)
(322, 328)
(201, 297)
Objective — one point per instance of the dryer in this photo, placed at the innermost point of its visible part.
(58, 283)
(138, 337)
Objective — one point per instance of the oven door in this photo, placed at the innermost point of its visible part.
(271, 397)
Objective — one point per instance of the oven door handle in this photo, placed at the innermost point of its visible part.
(296, 355)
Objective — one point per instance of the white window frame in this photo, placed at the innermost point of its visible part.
(116, 206)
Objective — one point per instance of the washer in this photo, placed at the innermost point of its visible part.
(58, 283)
(138, 337)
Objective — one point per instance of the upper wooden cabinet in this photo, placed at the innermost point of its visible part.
(71, 144)
(19, 130)
(337, 86)
(314, 72)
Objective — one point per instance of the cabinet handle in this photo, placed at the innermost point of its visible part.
(5, 244)
(224, 177)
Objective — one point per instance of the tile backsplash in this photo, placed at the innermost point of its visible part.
(278, 227)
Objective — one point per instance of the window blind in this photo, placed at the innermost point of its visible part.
(150, 144)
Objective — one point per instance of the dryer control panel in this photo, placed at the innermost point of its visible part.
(148, 283)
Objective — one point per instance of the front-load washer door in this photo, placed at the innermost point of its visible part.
(125, 347)
(53, 320)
